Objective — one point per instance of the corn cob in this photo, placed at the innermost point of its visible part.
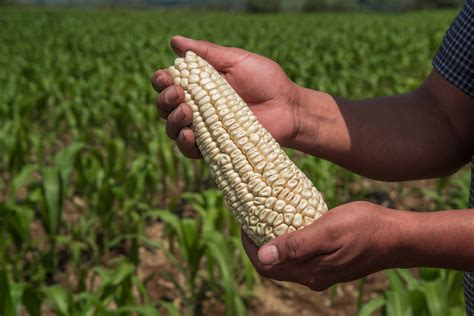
(264, 189)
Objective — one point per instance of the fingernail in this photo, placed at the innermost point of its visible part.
(268, 255)
(172, 95)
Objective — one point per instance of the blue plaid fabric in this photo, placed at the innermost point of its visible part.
(455, 57)
(455, 62)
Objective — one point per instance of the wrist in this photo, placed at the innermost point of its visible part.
(384, 235)
(395, 243)
(306, 118)
(319, 130)
(404, 248)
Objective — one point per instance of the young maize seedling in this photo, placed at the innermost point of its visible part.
(264, 189)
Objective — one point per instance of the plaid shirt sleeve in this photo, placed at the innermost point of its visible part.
(455, 57)
(455, 62)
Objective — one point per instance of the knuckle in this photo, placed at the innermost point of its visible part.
(293, 246)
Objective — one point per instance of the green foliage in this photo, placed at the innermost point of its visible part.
(263, 6)
(435, 292)
(209, 242)
(86, 165)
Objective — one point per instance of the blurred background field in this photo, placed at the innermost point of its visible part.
(101, 215)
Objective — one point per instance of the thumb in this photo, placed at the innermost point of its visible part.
(218, 56)
(295, 246)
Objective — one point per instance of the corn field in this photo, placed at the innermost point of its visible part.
(99, 212)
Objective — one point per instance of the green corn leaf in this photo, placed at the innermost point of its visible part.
(64, 160)
(408, 277)
(437, 298)
(457, 311)
(32, 299)
(168, 218)
(372, 306)
(192, 244)
(429, 274)
(59, 298)
(145, 310)
(17, 220)
(113, 278)
(16, 290)
(52, 190)
(396, 282)
(20, 179)
(218, 251)
(418, 302)
(398, 303)
(171, 308)
(7, 307)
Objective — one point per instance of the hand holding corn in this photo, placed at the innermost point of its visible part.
(264, 189)
(349, 242)
(259, 81)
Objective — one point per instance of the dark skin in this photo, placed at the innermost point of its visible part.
(426, 133)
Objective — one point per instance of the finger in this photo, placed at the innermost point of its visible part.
(219, 56)
(169, 99)
(187, 143)
(287, 272)
(252, 252)
(250, 248)
(161, 80)
(181, 117)
(305, 272)
(295, 246)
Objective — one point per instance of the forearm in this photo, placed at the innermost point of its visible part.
(433, 239)
(389, 138)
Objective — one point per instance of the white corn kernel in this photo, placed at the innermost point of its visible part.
(266, 192)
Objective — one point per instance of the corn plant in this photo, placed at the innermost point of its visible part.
(85, 162)
(435, 292)
(203, 242)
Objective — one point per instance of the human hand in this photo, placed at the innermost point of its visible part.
(259, 81)
(347, 243)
